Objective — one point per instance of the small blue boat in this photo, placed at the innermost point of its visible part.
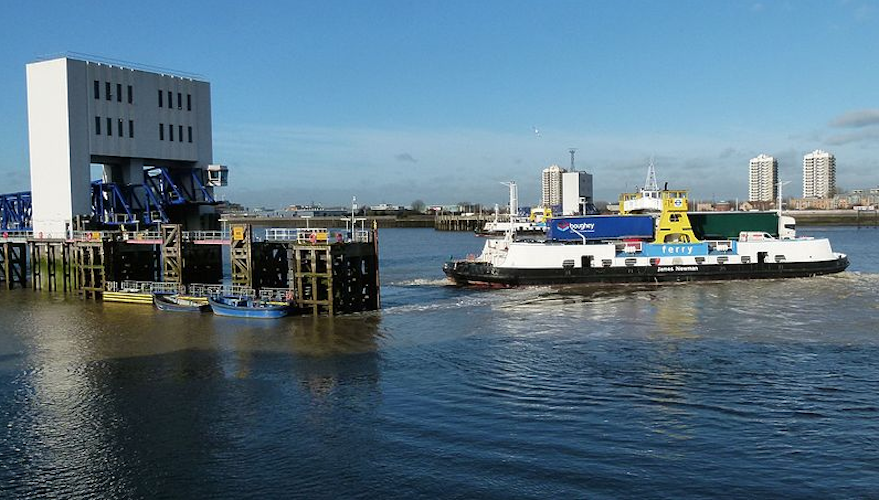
(246, 307)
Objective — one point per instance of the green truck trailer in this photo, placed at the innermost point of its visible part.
(728, 225)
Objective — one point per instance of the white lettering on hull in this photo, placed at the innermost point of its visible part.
(677, 269)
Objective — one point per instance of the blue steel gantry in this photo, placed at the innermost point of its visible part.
(16, 211)
(115, 204)
(148, 203)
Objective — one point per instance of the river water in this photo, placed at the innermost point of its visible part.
(733, 389)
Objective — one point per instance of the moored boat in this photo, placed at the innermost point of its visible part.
(518, 226)
(635, 249)
(246, 307)
(176, 303)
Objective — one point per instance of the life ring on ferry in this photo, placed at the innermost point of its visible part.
(312, 238)
(288, 295)
(41, 235)
(88, 235)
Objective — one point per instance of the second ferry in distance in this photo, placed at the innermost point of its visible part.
(643, 249)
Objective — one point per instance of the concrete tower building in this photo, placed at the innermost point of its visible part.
(552, 186)
(763, 178)
(82, 113)
(576, 192)
(819, 174)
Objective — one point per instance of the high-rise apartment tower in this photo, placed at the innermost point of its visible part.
(552, 186)
(819, 174)
(763, 178)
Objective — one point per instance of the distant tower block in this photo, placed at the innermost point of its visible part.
(763, 178)
(82, 113)
(819, 174)
(551, 186)
(576, 192)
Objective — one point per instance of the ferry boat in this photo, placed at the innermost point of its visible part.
(644, 249)
(535, 225)
(519, 225)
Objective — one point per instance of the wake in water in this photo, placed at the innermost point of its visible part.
(421, 282)
(435, 295)
(857, 278)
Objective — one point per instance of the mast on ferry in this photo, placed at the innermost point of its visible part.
(650, 184)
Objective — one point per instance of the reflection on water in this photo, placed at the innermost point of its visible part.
(120, 400)
(676, 315)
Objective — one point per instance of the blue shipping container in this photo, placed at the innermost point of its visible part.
(601, 227)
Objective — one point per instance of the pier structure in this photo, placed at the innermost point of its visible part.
(323, 271)
(148, 223)
(472, 222)
(13, 260)
(319, 271)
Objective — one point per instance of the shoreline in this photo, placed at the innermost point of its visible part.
(803, 218)
(835, 218)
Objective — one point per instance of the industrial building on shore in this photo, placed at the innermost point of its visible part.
(128, 120)
(566, 192)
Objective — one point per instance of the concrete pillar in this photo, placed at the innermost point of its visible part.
(58, 134)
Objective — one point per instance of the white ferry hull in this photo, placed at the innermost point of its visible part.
(480, 274)
(514, 264)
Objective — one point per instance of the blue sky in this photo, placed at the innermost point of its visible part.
(394, 101)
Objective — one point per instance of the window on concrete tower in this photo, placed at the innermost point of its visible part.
(109, 126)
(119, 128)
(170, 99)
(190, 134)
(188, 102)
(131, 129)
(171, 132)
(180, 132)
(97, 125)
(179, 100)
(109, 93)
(118, 92)
(160, 98)
(130, 95)
(97, 89)
(161, 131)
